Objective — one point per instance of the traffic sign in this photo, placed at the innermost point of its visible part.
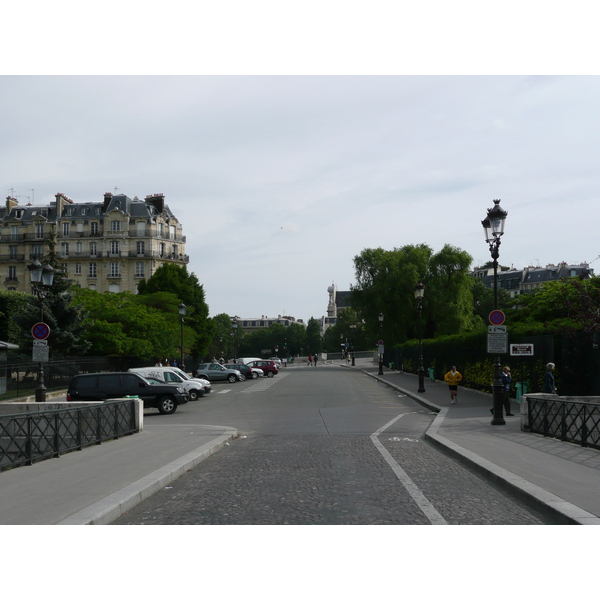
(496, 328)
(521, 349)
(40, 331)
(497, 317)
(497, 343)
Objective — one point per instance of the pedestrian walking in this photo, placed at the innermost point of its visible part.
(310, 360)
(453, 378)
(506, 382)
(284, 361)
(548, 384)
(316, 359)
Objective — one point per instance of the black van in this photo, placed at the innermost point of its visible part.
(97, 387)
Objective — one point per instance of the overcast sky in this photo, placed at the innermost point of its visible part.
(279, 181)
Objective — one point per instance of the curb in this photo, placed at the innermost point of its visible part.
(109, 509)
(532, 495)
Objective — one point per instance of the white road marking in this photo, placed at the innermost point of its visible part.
(224, 391)
(428, 510)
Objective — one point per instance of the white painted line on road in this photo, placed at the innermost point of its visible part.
(428, 510)
(224, 392)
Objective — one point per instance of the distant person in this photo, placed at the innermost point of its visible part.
(453, 378)
(548, 385)
(310, 360)
(316, 359)
(506, 382)
(284, 361)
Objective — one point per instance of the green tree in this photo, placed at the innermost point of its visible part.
(125, 324)
(175, 279)
(11, 303)
(313, 336)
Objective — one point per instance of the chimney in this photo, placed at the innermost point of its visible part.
(11, 203)
(107, 199)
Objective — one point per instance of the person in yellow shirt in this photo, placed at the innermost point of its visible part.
(453, 378)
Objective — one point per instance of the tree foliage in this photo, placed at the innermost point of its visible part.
(176, 280)
(125, 324)
(386, 281)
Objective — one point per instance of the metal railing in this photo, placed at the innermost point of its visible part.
(27, 438)
(576, 422)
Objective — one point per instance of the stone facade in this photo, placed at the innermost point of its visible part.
(107, 246)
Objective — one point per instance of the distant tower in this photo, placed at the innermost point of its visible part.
(331, 307)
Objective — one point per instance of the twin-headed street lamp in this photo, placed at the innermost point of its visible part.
(493, 225)
(419, 292)
(42, 278)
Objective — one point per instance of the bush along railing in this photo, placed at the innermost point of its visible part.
(576, 422)
(27, 438)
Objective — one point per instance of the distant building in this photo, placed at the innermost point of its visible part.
(523, 281)
(107, 246)
(338, 301)
(264, 322)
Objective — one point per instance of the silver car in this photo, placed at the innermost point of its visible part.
(217, 372)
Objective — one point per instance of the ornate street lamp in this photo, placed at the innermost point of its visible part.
(42, 278)
(182, 310)
(353, 332)
(419, 292)
(381, 339)
(493, 225)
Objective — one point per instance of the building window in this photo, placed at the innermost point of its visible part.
(78, 248)
(115, 225)
(140, 247)
(64, 249)
(77, 269)
(174, 250)
(14, 232)
(94, 227)
(65, 229)
(92, 270)
(114, 248)
(161, 250)
(12, 252)
(115, 270)
(12, 273)
(139, 269)
(160, 230)
(39, 231)
(93, 248)
(141, 228)
(36, 250)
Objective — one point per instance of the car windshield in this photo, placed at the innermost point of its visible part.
(180, 372)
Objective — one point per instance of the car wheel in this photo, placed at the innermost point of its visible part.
(167, 405)
(242, 377)
(254, 375)
(231, 378)
(193, 394)
(270, 374)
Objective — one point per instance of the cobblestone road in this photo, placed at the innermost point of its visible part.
(331, 479)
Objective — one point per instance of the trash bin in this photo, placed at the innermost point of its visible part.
(391, 366)
(431, 373)
(522, 389)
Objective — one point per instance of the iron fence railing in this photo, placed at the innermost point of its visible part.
(27, 438)
(577, 422)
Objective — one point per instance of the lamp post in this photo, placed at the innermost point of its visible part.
(41, 277)
(353, 333)
(182, 311)
(419, 293)
(493, 225)
(234, 326)
(381, 340)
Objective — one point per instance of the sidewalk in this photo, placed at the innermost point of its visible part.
(100, 483)
(560, 478)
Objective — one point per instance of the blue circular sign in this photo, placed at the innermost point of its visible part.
(40, 331)
(497, 317)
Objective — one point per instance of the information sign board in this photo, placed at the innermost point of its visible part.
(521, 349)
(497, 343)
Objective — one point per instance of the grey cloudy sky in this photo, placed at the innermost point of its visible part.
(280, 181)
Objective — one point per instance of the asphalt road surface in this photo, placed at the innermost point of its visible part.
(324, 445)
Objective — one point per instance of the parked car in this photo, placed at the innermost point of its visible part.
(194, 388)
(268, 366)
(205, 382)
(276, 360)
(246, 371)
(98, 387)
(245, 361)
(217, 372)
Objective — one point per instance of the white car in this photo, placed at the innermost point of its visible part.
(195, 388)
(205, 382)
